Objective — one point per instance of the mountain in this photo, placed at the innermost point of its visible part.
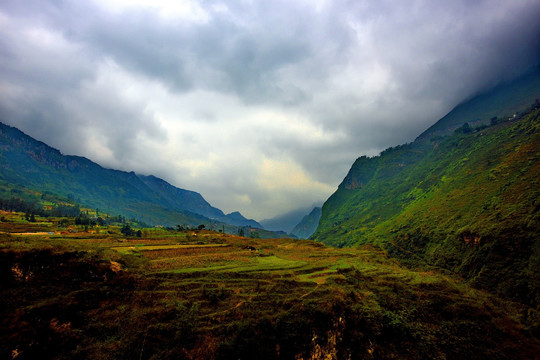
(192, 201)
(286, 222)
(307, 226)
(237, 219)
(504, 100)
(466, 202)
(29, 163)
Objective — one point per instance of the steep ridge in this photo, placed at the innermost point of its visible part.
(504, 100)
(466, 202)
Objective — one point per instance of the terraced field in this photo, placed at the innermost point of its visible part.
(206, 295)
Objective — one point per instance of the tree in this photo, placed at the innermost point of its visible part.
(127, 230)
(82, 219)
(241, 232)
(464, 129)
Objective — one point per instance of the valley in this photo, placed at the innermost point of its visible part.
(428, 250)
(269, 180)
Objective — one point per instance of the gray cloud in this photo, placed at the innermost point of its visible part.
(217, 94)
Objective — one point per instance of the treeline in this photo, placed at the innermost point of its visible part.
(467, 129)
(34, 208)
(21, 205)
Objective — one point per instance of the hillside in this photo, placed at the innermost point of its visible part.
(206, 295)
(504, 100)
(468, 203)
(31, 164)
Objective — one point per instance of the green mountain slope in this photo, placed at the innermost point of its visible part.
(502, 101)
(468, 203)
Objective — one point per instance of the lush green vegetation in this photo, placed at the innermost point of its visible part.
(47, 204)
(205, 295)
(468, 203)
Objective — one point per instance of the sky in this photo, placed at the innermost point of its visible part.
(261, 106)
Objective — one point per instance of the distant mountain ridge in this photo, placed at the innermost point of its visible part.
(30, 163)
(237, 219)
(286, 222)
(307, 226)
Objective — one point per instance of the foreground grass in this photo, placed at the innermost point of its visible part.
(207, 295)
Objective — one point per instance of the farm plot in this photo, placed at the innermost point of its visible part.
(190, 258)
(194, 258)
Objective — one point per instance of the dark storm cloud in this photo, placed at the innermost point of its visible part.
(45, 91)
(222, 54)
(313, 84)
